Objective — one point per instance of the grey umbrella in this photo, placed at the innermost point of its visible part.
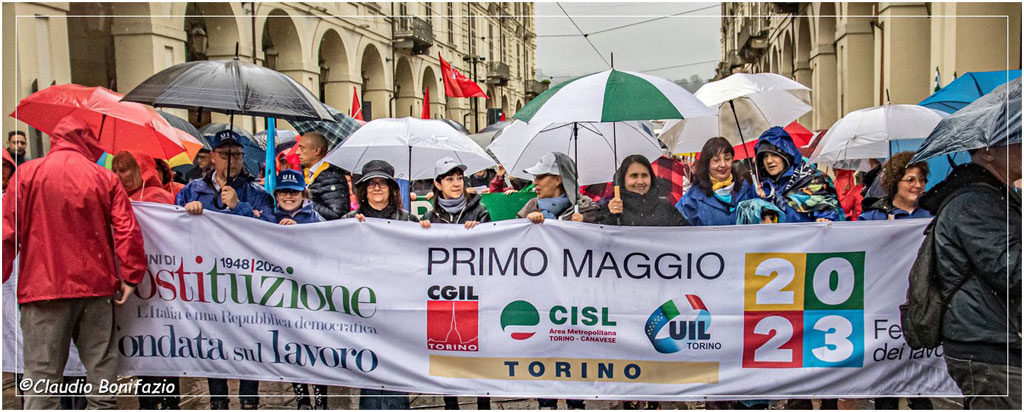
(231, 87)
(992, 120)
(185, 126)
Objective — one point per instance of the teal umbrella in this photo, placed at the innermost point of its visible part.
(968, 88)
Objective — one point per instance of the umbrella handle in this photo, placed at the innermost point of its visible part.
(739, 130)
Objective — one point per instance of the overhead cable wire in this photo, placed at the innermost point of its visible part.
(585, 36)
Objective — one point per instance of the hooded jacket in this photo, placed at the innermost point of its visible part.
(801, 190)
(649, 209)
(978, 243)
(73, 221)
(567, 170)
(152, 189)
(474, 211)
(9, 161)
(703, 209)
(251, 197)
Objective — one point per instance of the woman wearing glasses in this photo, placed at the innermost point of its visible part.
(378, 194)
(904, 183)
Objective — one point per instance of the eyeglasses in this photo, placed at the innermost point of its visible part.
(233, 155)
(377, 183)
(914, 180)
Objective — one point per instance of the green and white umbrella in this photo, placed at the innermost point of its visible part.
(613, 96)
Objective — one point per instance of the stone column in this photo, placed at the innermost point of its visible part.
(856, 56)
(823, 91)
(802, 74)
(906, 54)
(143, 46)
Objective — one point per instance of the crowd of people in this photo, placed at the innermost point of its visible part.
(977, 221)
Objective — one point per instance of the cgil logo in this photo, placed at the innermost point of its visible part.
(688, 321)
(452, 318)
(520, 319)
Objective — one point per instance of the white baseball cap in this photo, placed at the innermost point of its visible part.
(445, 165)
(547, 165)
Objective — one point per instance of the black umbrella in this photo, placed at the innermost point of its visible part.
(185, 126)
(456, 125)
(231, 87)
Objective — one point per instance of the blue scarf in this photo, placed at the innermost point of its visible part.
(552, 207)
(452, 206)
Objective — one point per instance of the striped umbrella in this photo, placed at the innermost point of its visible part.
(608, 97)
(335, 131)
(613, 96)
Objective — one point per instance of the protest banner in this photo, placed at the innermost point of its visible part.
(511, 308)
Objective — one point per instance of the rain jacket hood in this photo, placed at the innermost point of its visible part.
(9, 160)
(75, 134)
(152, 189)
(567, 168)
(802, 191)
(776, 140)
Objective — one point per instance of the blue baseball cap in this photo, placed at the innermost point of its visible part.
(290, 180)
(224, 137)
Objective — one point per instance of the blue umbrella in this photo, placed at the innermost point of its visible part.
(968, 88)
(992, 120)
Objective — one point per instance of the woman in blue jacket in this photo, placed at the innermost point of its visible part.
(716, 188)
(796, 187)
(292, 206)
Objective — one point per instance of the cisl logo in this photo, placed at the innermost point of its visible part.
(803, 310)
(565, 323)
(688, 322)
(520, 319)
(452, 318)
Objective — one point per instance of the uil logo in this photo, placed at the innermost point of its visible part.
(688, 322)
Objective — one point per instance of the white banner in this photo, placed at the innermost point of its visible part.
(516, 309)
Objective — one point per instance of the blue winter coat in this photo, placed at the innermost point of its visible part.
(801, 186)
(881, 209)
(304, 214)
(250, 197)
(700, 209)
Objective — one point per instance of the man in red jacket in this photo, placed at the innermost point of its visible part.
(70, 220)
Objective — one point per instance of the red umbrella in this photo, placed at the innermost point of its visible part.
(801, 136)
(119, 125)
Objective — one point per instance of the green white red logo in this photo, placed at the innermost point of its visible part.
(520, 319)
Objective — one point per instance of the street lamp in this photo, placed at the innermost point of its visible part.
(270, 57)
(324, 72)
(198, 40)
(474, 59)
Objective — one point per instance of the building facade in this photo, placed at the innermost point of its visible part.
(858, 55)
(386, 53)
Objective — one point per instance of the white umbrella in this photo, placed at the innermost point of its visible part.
(409, 145)
(521, 145)
(866, 133)
(746, 105)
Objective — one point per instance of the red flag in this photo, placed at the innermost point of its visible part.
(502, 119)
(457, 84)
(426, 104)
(357, 109)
